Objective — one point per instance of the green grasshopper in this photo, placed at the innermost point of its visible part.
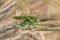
(27, 21)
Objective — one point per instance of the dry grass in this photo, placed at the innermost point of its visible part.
(41, 9)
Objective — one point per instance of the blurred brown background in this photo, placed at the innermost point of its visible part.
(39, 8)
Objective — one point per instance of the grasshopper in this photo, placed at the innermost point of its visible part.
(27, 21)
